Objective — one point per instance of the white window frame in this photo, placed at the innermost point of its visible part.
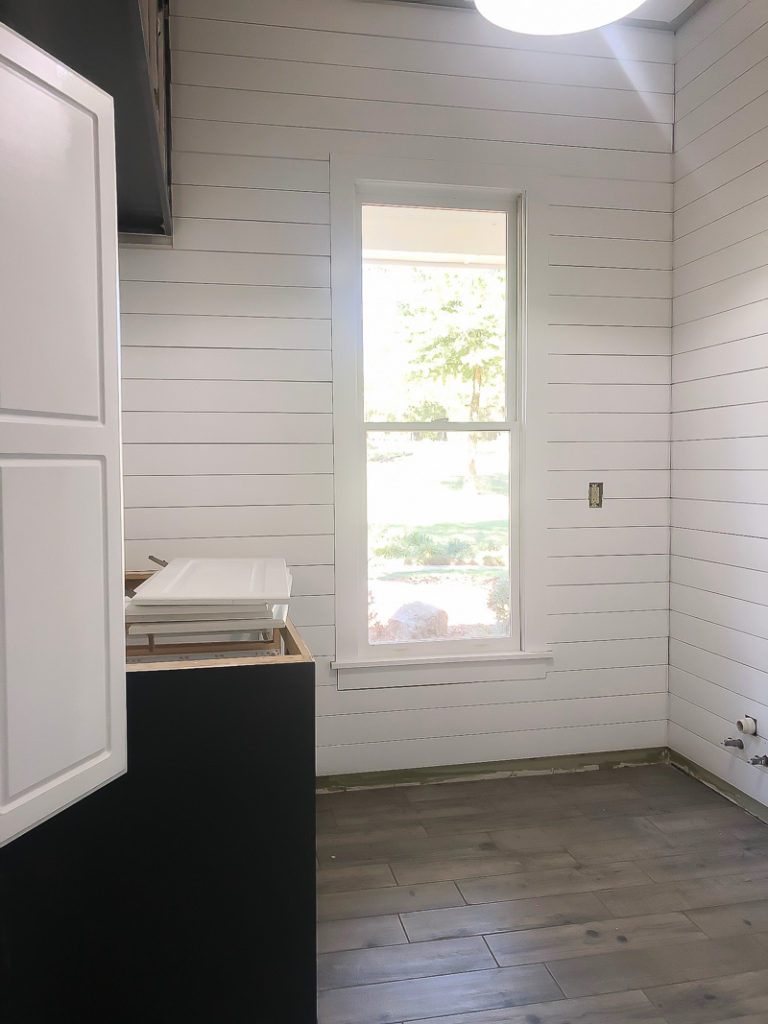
(359, 180)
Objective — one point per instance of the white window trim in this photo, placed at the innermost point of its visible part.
(367, 665)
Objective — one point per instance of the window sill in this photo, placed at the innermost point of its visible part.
(443, 659)
(441, 669)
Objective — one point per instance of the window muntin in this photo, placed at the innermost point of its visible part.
(435, 315)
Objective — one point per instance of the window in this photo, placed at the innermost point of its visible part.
(426, 320)
(435, 297)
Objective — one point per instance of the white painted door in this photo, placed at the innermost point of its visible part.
(62, 669)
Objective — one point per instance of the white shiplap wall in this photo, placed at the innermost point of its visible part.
(227, 338)
(719, 590)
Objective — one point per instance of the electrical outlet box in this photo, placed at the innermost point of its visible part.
(595, 495)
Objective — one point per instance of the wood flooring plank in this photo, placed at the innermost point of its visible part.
(408, 871)
(741, 919)
(550, 883)
(687, 894)
(486, 918)
(693, 961)
(537, 945)
(397, 963)
(695, 820)
(719, 1001)
(360, 933)
(700, 863)
(564, 833)
(619, 850)
(356, 877)
(394, 1001)
(393, 900)
(361, 850)
(618, 1008)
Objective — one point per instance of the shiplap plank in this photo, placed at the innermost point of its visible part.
(609, 282)
(155, 264)
(728, 421)
(395, 754)
(584, 569)
(604, 398)
(424, 119)
(392, 85)
(565, 368)
(625, 341)
(183, 330)
(249, 171)
(564, 512)
(226, 396)
(720, 516)
(596, 426)
(224, 299)
(727, 198)
(718, 235)
(727, 549)
(613, 625)
(748, 616)
(728, 389)
(731, 325)
(368, 50)
(239, 364)
(598, 654)
(598, 455)
(610, 682)
(728, 453)
(727, 642)
(749, 683)
(296, 550)
(228, 521)
(608, 540)
(625, 484)
(419, 724)
(225, 459)
(729, 294)
(713, 34)
(316, 144)
(695, 181)
(721, 484)
(721, 104)
(748, 52)
(596, 222)
(741, 582)
(614, 253)
(227, 428)
(211, 235)
(201, 491)
(738, 258)
(614, 41)
(607, 597)
(731, 357)
(244, 204)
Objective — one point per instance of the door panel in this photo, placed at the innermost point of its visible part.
(62, 667)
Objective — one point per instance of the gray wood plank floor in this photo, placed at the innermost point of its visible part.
(609, 897)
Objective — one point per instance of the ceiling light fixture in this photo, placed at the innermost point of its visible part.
(554, 17)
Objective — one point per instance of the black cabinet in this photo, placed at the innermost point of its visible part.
(183, 891)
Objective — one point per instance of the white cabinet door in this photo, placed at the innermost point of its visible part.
(62, 665)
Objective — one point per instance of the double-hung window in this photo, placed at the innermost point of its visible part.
(427, 315)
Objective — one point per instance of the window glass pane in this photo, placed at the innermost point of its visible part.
(434, 314)
(438, 535)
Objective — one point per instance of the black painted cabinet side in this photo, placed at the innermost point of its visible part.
(183, 891)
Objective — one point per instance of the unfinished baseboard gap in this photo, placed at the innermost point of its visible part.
(720, 786)
(478, 771)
